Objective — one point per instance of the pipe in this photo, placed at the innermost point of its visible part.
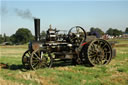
(37, 29)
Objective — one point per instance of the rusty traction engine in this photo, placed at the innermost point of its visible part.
(74, 46)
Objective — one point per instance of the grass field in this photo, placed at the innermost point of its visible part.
(115, 73)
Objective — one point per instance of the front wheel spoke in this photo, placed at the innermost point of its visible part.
(35, 61)
(34, 64)
(44, 65)
(37, 56)
(37, 65)
(40, 65)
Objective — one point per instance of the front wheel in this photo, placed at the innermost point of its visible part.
(40, 59)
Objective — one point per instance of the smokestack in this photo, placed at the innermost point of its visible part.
(37, 29)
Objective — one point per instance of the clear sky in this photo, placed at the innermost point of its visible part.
(63, 14)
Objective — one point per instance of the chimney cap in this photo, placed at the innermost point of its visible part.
(36, 18)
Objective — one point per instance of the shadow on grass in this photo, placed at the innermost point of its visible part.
(16, 67)
(12, 67)
(21, 67)
(68, 63)
(63, 63)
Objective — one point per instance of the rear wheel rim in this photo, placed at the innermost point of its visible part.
(99, 52)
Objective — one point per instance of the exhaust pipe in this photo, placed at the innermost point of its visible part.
(37, 29)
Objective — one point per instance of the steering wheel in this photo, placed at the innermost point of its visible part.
(76, 35)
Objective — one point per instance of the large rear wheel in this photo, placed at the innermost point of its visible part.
(97, 52)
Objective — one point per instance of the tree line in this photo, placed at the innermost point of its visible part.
(110, 31)
(24, 35)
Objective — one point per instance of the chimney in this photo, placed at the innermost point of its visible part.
(37, 29)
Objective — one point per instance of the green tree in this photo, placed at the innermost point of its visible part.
(6, 38)
(126, 30)
(22, 35)
(1, 39)
(114, 32)
(109, 31)
(92, 29)
(13, 38)
(117, 32)
(98, 30)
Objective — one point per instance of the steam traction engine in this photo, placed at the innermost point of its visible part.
(75, 46)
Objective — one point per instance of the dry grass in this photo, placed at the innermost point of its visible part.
(32, 76)
(8, 82)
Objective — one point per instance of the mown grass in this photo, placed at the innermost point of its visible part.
(115, 73)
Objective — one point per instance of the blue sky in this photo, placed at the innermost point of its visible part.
(65, 14)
